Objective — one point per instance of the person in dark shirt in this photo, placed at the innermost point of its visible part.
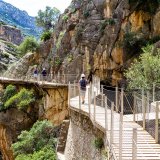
(83, 84)
(44, 74)
(35, 74)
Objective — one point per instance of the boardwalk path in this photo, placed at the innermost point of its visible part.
(147, 149)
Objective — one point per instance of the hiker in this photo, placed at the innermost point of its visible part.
(35, 74)
(44, 74)
(83, 84)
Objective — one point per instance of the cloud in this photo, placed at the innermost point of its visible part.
(33, 6)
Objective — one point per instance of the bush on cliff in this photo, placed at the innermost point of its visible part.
(46, 36)
(11, 97)
(28, 45)
(37, 144)
(145, 71)
(21, 100)
(9, 92)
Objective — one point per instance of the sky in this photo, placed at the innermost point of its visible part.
(33, 6)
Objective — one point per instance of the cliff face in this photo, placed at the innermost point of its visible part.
(50, 103)
(10, 37)
(105, 35)
(16, 17)
(11, 34)
(102, 36)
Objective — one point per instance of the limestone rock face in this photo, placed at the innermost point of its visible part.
(51, 103)
(12, 122)
(21, 67)
(100, 33)
(101, 36)
(56, 105)
(24, 67)
(156, 23)
(10, 37)
(10, 34)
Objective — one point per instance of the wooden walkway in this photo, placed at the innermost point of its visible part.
(147, 149)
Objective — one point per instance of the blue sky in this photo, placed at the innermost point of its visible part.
(33, 6)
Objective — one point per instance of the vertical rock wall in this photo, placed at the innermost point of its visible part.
(56, 105)
(5, 144)
(11, 34)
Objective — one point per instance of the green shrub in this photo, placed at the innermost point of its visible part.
(69, 58)
(12, 98)
(57, 61)
(73, 10)
(21, 100)
(145, 71)
(109, 21)
(46, 153)
(65, 18)
(28, 45)
(5, 55)
(61, 35)
(132, 44)
(98, 143)
(2, 23)
(38, 143)
(86, 14)
(9, 92)
(46, 36)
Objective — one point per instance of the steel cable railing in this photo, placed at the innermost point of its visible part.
(96, 114)
(62, 79)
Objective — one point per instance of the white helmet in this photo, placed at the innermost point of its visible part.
(82, 75)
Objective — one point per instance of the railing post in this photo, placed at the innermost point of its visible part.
(79, 99)
(102, 96)
(116, 99)
(74, 92)
(122, 102)
(120, 135)
(94, 106)
(97, 84)
(39, 77)
(134, 107)
(99, 87)
(121, 125)
(156, 121)
(153, 92)
(89, 101)
(106, 116)
(58, 76)
(112, 122)
(134, 144)
(64, 79)
(147, 107)
(69, 96)
(91, 90)
(143, 110)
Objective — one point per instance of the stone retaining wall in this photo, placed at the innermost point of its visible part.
(80, 140)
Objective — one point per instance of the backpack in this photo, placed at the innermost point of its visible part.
(44, 73)
(36, 71)
(83, 84)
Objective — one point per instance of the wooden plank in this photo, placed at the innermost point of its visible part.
(147, 149)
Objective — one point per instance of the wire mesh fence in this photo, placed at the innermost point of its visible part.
(122, 134)
(63, 79)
